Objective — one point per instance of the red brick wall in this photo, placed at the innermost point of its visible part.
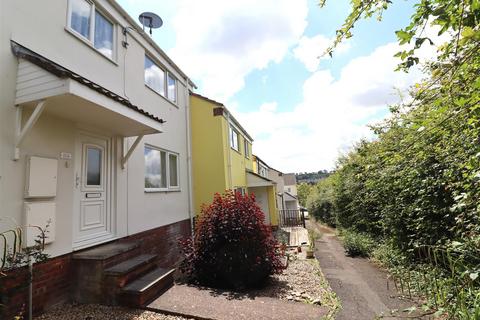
(51, 285)
(53, 278)
(164, 242)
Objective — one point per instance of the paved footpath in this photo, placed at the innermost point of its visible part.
(361, 286)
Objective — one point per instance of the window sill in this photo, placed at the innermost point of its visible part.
(162, 190)
(164, 98)
(237, 151)
(89, 44)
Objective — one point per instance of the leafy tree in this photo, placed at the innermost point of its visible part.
(320, 201)
(303, 190)
(460, 18)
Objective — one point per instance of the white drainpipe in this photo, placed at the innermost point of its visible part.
(189, 156)
(229, 164)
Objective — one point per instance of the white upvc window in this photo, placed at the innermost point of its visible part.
(160, 81)
(234, 137)
(241, 190)
(262, 170)
(161, 170)
(171, 88)
(91, 25)
(246, 148)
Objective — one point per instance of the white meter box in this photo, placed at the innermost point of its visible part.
(41, 177)
(39, 214)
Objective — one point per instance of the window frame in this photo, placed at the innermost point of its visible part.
(232, 131)
(246, 148)
(91, 38)
(166, 75)
(262, 170)
(241, 190)
(168, 187)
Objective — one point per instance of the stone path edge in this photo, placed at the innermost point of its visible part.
(176, 314)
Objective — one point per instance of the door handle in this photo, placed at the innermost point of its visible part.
(77, 180)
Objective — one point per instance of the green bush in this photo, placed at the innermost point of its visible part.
(357, 244)
(388, 256)
(320, 202)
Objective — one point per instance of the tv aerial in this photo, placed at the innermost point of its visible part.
(150, 20)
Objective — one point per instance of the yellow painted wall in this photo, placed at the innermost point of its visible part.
(208, 156)
(254, 164)
(235, 161)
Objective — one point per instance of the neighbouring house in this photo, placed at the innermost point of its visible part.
(222, 158)
(265, 189)
(95, 139)
(277, 177)
(290, 192)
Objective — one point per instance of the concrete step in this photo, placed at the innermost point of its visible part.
(129, 265)
(109, 254)
(145, 289)
(119, 275)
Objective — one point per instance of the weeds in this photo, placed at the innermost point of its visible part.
(444, 280)
(357, 244)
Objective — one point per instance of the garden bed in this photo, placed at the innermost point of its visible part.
(302, 281)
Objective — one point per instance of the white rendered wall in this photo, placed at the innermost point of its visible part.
(41, 27)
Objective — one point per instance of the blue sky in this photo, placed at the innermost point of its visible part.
(260, 59)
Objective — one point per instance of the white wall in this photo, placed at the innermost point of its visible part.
(291, 205)
(261, 198)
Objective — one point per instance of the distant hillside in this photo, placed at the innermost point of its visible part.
(311, 177)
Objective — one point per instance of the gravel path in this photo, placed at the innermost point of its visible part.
(99, 312)
(302, 281)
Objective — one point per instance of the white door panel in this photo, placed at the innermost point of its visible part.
(92, 212)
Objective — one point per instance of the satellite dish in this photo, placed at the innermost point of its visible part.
(150, 20)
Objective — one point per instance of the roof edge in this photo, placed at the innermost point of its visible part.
(149, 39)
(234, 120)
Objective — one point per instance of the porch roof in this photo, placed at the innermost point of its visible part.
(289, 197)
(71, 96)
(256, 180)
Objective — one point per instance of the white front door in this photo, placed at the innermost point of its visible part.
(93, 219)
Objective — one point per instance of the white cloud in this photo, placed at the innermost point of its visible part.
(332, 115)
(311, 50)
(219, 42)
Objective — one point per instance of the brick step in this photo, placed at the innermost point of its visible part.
(89, 265)
(147, 288)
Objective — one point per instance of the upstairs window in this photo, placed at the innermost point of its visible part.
(247, 148)
(91, 25)
(160, 81)
(171, 88)
(262, 170)
(154, 76)
(234, 139)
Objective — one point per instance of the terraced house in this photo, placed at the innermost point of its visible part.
(94, 143)
(222, 158)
